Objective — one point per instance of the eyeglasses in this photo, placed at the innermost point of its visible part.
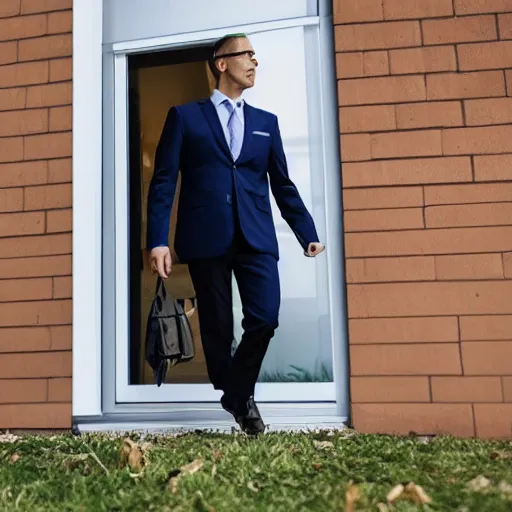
(250, 53)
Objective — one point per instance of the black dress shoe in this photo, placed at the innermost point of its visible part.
(246, 414)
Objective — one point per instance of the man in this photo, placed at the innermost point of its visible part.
(227, 152)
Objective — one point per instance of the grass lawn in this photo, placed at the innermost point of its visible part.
(286, 472)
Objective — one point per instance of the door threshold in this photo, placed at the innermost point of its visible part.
(221, 426)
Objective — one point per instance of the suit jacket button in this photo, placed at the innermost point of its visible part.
(234, 167)
(228, 199)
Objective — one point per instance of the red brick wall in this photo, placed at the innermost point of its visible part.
(35, 213)
(425, 115)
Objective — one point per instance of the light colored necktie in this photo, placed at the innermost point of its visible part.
(235, 131)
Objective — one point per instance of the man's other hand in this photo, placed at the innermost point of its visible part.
(160, 261)
(315, 248)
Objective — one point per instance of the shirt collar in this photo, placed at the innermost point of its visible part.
(218, 97)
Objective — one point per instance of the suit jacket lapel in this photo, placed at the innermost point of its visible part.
(247, 130)
(214, 122)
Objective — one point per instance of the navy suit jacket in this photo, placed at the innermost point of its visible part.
(193, 142)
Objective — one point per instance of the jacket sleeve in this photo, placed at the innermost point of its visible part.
(162, 188)
(289, 202)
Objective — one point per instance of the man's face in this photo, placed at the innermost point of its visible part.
(240, 69)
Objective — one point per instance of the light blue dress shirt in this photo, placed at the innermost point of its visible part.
(217, 99)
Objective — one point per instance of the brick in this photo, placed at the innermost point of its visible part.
(493, 421)
(468, 267)
(355, 147)
(488, 111)
(60, 171)
(444, 86)
(493, 168)
(40, 266)
(32, 6)
(422, 60)
(48, 146)
(361, 10)
(494, 327)
(466, 389)
(406, 144)
(48, 196)
(401, 419)
(58, 221)
(407, 172)
(62, 338)
(50, 312)
(25, 289)
(508, 75)
(48, 47)
(60, 22)
(429, 299)
(487, 357)
(19, 247)
(375, 270)
(507, 388)
(429, 115)
(61, 69)
(36, 416)
(22, 27)
(59, 390)
(389, 389)
(23, 122)
(402, 359)
(507, 265)
(12, 99)
(11, 149)
(467, 194)
(9, 8)
(436, 241)
(379, 198)
(485, 214)
(366, 119)
(22, 391)
(25, 73)
(377, 36)
(15, 224)
(459, 30)
(359, 64)
(11, 200)
(60, 119)
(479, 56)
(490, 139)
(394, 89)
(400, 10)
(403, 330)
(8, 52)
(505, 26)
(23, 173)
(481, 6)
(49, 95)
(62, 287)
(384, 220)
(24, 339)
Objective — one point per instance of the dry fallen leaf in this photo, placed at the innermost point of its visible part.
(134, 455)
(479, 484)
(317, 466)
(497, 455)
(351, 497)
(382, 507)
(8, 438)
(187, 469)
(173, 484)
(505, 488)
(323, 445)
(15, 457)
(192, 468)
(410, 492)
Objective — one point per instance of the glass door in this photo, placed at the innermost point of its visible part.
(299, 365)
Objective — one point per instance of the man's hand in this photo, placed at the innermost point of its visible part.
(315, 248)
(160, 261)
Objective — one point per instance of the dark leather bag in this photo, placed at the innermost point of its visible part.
(169, 338)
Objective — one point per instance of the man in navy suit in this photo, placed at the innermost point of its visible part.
(227, 152)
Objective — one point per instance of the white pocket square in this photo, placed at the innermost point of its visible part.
(264, 134)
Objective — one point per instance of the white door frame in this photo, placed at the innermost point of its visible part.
(88, 309)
